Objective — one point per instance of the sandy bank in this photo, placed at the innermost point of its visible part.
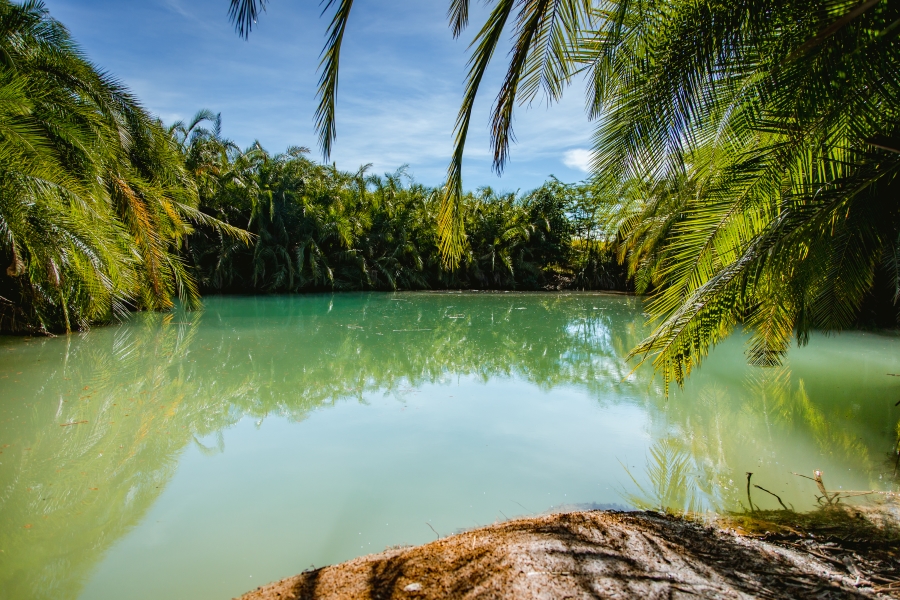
(600, 554)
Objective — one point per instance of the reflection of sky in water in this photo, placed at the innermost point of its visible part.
(180, 454)
(349, 483)
(595, 334)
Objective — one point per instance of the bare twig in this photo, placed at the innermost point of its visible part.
(830, 498)
(752, 508)
(72, 423)
(835, 497)
(854, 493)
(777, 497)
(433, 529)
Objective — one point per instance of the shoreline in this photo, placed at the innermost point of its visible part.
(609, 554)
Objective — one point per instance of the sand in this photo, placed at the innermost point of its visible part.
(601, 554)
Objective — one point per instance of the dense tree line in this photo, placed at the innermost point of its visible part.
(104, 210)
(317, 228)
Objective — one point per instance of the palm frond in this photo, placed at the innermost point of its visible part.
(450, 225)
(328, 80)
(244, 14)
(458, 15)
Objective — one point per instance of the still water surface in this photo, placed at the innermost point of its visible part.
(198, 455)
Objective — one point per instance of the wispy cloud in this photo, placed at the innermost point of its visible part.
(578, 158)
(402, 77)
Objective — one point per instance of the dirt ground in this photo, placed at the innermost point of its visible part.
(600, 554)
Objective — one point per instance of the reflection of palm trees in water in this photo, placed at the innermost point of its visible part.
(136, 396)
(92, 462)
(715, 432)
(673, 481)
(163, 383)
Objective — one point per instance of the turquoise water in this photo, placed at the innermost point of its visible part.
(198, 455)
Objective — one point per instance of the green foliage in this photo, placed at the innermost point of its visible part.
(94, 200)
(544, 33)
(99, 203)
(318, 228)
(749, 152)
(748, 156)
(762, 137)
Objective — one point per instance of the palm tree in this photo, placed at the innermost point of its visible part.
(763, 135)
(95, 201)
(318, 228)
(61, 256)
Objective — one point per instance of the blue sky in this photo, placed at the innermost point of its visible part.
(400, 87)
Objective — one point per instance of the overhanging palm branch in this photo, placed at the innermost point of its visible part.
(244, 14)
(763, 136)
(542, 59)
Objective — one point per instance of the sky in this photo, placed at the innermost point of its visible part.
(401, 83)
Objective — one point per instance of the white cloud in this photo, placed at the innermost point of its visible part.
(579, 158)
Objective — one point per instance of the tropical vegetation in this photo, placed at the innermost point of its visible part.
(749, 151)
(104, 210)
(317, 228)
(745, 171)
(95, 201)
(761, 143)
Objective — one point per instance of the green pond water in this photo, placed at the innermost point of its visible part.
(198, 455)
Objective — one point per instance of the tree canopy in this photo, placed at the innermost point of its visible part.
(748, 150)
(318, 228)
(95, 201)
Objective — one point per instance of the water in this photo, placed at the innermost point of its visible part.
(198, 455)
